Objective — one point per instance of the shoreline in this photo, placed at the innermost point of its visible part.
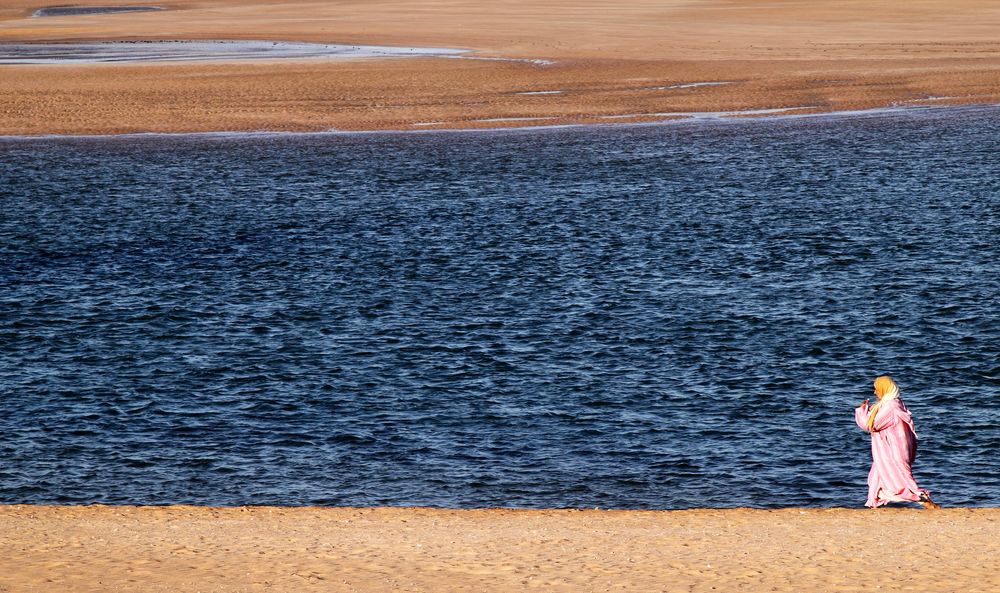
(419, 93)
(381, 549)
(526, 127)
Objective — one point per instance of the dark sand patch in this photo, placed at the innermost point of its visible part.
(74, 10)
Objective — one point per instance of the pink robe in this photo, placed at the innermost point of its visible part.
(894, 447)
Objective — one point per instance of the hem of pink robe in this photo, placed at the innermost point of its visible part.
(906, 495)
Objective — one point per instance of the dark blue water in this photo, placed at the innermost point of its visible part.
(652, 317)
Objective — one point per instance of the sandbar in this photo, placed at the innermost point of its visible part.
(280, 549)
(558, 61)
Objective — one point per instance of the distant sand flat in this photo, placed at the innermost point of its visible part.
(193, 51)
(381, 550)
(609, 58)
(73, 10)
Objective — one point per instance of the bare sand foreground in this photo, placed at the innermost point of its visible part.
(189, 549)
(612, 61)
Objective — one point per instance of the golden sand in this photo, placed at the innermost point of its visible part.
(300, 550)
(610, 59)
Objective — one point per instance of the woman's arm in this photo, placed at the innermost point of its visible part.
(861, 416)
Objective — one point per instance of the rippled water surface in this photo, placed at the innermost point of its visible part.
(654, 317)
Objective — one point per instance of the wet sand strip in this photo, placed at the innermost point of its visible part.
(200, 51)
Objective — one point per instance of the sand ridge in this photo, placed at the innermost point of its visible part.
(179, 549)
(605, 59)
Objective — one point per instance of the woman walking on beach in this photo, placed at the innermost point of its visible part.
(894, 447)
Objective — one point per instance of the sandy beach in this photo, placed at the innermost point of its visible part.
(535, 63)
(181, 549)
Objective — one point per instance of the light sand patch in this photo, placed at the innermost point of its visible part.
(934, 99)
(690, 85)
(492, 120)
(535, 61)
(707, 114)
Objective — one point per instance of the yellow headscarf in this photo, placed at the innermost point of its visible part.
(885, 389)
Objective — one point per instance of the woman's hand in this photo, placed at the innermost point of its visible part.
(863, 404)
